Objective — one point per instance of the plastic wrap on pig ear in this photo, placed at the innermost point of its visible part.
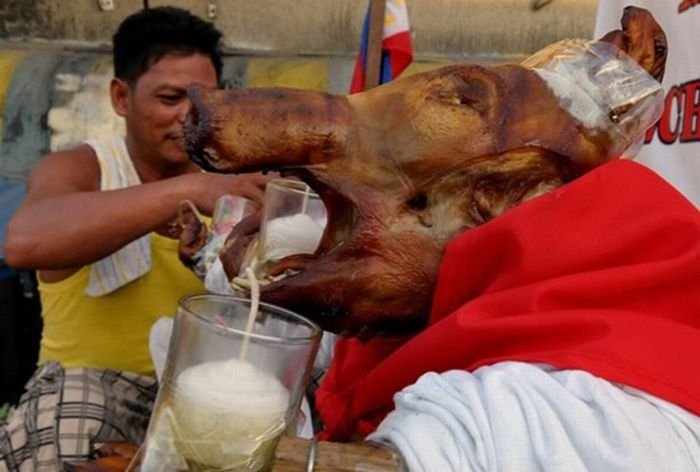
(603, 88)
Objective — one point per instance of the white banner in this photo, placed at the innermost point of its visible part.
(672, 147)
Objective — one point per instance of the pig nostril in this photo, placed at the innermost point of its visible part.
(195, 125)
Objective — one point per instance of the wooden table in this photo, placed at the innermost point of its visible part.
(292, 455)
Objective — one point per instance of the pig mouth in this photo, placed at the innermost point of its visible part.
(344, 217)
(343, 223)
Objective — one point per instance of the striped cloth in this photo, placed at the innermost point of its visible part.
(133, 260)
(65, 413)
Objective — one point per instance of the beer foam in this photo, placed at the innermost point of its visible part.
(232, 386)
(288, 235)
(226, 414)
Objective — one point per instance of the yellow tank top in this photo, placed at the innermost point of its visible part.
(111, 331)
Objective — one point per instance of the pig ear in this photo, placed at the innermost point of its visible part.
(616, 38)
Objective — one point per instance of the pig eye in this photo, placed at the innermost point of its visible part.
(474, 93)
(455, 98)
(419, 201)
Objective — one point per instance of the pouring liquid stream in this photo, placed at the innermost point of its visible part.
(254, 302)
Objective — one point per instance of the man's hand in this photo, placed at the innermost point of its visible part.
(206, 188)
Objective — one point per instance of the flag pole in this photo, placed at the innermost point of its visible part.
(374, 43)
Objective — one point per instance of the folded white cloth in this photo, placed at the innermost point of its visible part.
(133, 260)
(514, 416)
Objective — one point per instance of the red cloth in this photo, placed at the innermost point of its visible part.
(601, 275)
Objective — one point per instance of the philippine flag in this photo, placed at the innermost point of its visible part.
(397, 50)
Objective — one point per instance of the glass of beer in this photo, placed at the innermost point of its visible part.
(293, 221)
(233, 383)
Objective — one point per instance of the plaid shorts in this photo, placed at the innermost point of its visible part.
(65, 412)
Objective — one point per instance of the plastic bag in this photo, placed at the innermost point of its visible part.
(603, 88)
(229, 210)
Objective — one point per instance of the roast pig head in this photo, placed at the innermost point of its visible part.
(402, 169)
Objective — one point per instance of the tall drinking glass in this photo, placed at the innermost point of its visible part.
(293, 221)
(227, 393)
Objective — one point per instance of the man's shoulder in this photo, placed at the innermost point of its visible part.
(91, 148)
(81, 151)
(78, 165)
(80, 159)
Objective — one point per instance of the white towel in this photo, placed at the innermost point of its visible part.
(514, 416)
(133, 260)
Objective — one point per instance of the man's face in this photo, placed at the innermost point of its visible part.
(156, 105)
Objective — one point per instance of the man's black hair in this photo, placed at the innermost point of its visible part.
(145, 37)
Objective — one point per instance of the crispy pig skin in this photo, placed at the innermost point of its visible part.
(402, 169)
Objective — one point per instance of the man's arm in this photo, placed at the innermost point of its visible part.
(66, 222)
